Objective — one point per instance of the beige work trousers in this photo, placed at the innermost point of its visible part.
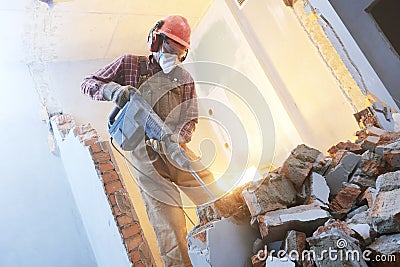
(163, 201)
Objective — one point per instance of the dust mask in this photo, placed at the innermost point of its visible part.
(167, 61)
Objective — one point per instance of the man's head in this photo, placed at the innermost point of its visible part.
(171, 36)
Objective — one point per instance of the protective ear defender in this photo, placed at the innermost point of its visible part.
(155, 40)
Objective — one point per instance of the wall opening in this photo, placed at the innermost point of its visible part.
(385, 14)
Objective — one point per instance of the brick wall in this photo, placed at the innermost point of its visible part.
(120, 203)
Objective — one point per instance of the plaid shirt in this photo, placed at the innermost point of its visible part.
(125, 70)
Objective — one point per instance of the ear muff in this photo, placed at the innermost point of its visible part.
(184, 57)
(155, 40)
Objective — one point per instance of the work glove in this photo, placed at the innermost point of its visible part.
(159, 146)
(117, 93)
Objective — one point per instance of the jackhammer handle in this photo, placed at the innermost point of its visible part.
(113, 114)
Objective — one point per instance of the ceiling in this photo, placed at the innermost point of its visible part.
(74, 30)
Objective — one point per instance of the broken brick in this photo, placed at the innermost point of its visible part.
(276, 192)
(296, 170)
(233, 206)
(344, 201)
(368, 169)
(299, 164)
(348, 146)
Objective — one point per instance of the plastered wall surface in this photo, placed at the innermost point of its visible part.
(305, 86)
(40, 220)
(371, 41)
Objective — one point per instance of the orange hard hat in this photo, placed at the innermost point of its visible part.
(176, 28)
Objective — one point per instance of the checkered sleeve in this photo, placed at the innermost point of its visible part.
(113, 72)
(189, 112)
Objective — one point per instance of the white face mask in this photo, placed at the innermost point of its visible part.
(167, 61)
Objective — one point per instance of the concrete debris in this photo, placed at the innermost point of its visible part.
(368, 169)
(319, 189)
(345, 200)
(370, 143)
(208, 244)
(304, 218)
(335, 239)
(294, 208)
(299, 164)
(386, 212)
(388, 181)
(233, 206)
(276, 192)
(388, 138)
(391, 153)
(295, 241)
(340, 174)
(375, 131)
(296, 170)
(356, 211)
(386, 245)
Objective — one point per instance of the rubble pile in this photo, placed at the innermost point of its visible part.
(342, 209)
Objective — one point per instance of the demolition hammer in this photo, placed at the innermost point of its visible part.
(127, 126)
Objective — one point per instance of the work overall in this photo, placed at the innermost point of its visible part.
(159, 192)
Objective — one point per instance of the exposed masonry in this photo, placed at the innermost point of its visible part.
(311, 24)
(124, 213)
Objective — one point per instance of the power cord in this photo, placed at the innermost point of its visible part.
(176, 202)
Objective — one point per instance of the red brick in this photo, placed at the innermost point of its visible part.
(90, 142)
(133, 242)
(135, 256)
(112, 187)
(105, 166)
(345, 199)
(112, 200)
(110, 176)
(124, 220)
(116, 211)
(82, 129)
(101, 157)
(95, 148)
(131, 231)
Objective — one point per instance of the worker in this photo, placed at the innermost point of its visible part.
(168, 42)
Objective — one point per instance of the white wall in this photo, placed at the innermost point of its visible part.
(372, 42)
(40, 223)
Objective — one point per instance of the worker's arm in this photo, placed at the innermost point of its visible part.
(189, 113)
(93, 85)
